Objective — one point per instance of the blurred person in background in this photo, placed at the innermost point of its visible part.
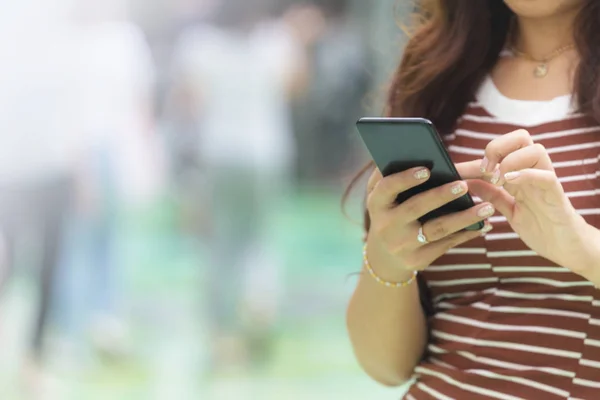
(119, 167)
(38, 148)
(236, 74)
(334, 97)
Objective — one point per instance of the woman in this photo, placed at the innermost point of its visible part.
(514, 87)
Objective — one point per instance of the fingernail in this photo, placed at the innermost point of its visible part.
(422, 174)
(496, 177)
(510, 176)
(486, 211)
(458, 189)
(486, 229)
(484, 164)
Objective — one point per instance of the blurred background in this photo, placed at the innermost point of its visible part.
(171, 174)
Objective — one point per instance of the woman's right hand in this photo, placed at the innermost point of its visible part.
(394, 228)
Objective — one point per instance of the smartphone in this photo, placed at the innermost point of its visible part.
(398, 144)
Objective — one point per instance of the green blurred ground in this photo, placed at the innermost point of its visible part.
(313, 359)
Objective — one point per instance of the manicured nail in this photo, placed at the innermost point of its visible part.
(486, 229)
(458, 189)
(511, 176)
(486, 211)
(484, 165)
(422, 174)
(496, 177)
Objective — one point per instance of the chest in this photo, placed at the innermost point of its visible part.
(501, 258)
(573, 145)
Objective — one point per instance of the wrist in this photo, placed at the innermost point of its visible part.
(384, 265)
(584, 258)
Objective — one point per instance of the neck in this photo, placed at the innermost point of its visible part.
(539, 37)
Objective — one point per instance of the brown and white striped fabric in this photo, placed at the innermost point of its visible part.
(509, 324)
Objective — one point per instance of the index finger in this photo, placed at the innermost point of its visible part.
(374, 179)
(470, 169)
(388, 188)
(499, 148)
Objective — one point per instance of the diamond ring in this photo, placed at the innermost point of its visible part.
(421, 236)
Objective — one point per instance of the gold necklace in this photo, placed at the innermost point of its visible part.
(542, 69)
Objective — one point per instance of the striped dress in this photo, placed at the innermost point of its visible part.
(507, 323)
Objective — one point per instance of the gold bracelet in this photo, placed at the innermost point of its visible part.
(381, 281)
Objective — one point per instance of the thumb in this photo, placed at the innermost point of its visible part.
(497, 196)
(470, 169)
(536, 177)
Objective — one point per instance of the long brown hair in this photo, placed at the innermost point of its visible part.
(454, 44)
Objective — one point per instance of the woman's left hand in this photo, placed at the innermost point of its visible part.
(523, 186)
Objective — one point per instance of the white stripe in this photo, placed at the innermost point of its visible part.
(494, 120)
(583, 193)
(507, 345)
(477, 118)
(435, 361)
(478, 135)
(590, 363)
(594, 321)
(592, 342)
(577, 178)
(530, 269)
(473, 104)
(446, 306)
(585, 382)
(573, 147)
(509, 328)
(435, 349)
(540, 296)
(467, 250)
(530, 310)
(568, 132)
(457, 282)
(548, 282)
(552, 150)
(460, 267)
(502, 236)
(589, 211)
(596, 303)
(503, 364)
(522, 381)
(513, 253)
(433, 393)
(538, 137)
(575, 163)
(582, 211)
(465, 386)
(466, 150)
(410, 397)
(454, 295)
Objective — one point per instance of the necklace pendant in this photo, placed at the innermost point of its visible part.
(541, 70)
